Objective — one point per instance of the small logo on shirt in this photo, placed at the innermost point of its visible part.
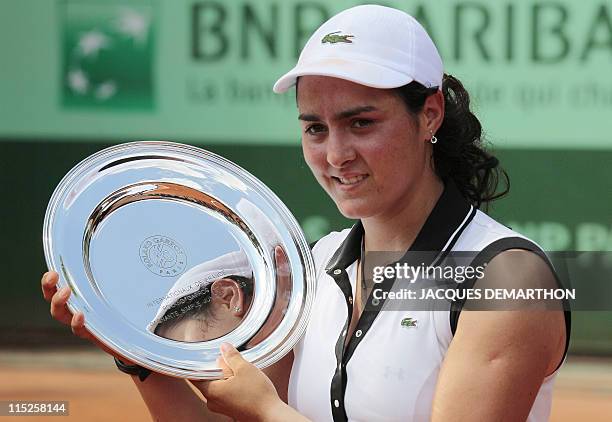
(334, 38)
(409, 322)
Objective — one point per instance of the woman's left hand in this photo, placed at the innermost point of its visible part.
(246, 393)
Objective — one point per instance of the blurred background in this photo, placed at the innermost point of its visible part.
(77, 76)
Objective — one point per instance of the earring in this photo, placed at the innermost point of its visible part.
(237, 308)
(433, 138)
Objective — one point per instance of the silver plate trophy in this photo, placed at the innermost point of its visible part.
(171, 250)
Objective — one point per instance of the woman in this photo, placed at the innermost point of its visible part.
(391, 139)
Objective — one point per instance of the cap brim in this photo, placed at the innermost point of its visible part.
(361, 72)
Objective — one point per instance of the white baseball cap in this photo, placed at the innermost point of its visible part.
(371, 45)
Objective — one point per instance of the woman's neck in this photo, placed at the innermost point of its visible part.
(397, 231)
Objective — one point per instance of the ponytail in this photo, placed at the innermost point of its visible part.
(459, 154)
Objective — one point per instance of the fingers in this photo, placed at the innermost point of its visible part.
(59, 310)
(77, 324)
(232, 357)
(49, 284)
(227, 371)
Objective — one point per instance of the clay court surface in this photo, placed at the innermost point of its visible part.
(96, 391)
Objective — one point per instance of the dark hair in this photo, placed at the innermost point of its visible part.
(195, 305)
(459, 155)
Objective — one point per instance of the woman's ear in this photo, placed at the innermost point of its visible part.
(432, 114)
(227, 293)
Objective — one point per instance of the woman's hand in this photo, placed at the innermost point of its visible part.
(59, 311)
(167, 398)
(246, 393)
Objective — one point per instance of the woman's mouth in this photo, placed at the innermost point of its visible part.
(350, 181)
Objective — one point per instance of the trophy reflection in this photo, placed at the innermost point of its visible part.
(208, 301)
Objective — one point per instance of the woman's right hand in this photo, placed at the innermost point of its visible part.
(167, 398)
(59, 311)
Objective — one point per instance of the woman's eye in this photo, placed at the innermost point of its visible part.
(314, 129)
(362, 123)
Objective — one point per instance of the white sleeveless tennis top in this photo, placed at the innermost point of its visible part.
(387, 373)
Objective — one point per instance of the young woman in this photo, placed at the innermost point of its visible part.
(392, 140)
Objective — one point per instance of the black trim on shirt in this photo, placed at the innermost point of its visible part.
(447, 220)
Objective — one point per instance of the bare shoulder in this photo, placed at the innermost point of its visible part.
(498, 359)
(524, 328)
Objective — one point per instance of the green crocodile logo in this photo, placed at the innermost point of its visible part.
(409, 322)
(333, 38)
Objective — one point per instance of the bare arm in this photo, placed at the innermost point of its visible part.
(175, 399)
(497, 360)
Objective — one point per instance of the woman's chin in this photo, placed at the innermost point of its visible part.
(355, 210)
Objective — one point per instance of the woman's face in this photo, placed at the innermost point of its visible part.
(362, 145)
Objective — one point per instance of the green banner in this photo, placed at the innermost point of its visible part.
(202, 71)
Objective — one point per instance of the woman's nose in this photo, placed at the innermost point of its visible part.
(340, 151)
